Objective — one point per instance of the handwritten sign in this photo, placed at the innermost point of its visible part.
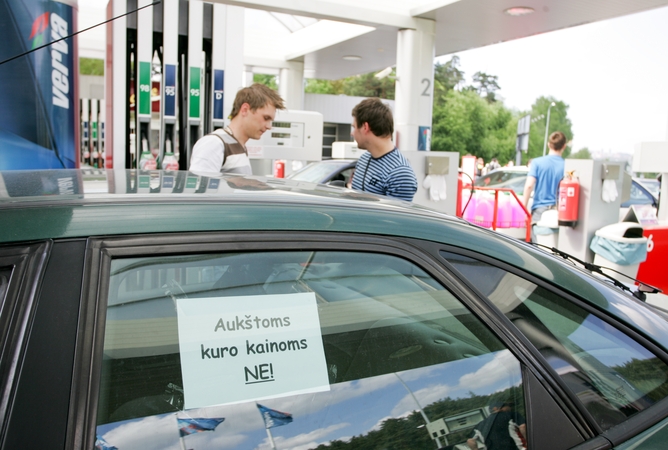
(237, 349)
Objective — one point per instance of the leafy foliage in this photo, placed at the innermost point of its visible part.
(487, 84)
(267, 80)
(91, 66)
(583, 153)
(464, 122)
(366, 85)
(447, 77)
(466, 119)
(558, 121)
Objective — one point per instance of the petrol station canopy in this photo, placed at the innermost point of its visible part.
(340, 38)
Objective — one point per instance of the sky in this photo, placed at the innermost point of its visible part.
(613, 74)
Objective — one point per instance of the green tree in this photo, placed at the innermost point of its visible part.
(91, 66)
(447, 77)
(468, 124)
(267, 80)
(317, 86)
(487, 84)
(583, 153)
(366, 85)
(559, 121)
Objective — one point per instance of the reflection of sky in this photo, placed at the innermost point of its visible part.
(606, 343)
(349, 409)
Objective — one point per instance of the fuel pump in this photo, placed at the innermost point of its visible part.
(85, 131)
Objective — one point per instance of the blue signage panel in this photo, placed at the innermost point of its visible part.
(218, 94)
(170, 90)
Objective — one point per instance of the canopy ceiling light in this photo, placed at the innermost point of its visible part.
(517, 11)
(352, 58)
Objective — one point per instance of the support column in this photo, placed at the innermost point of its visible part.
(415, 86)
(228, 54)
(291, 85)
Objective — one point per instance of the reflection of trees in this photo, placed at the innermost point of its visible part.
(411, 433)
(648, 375)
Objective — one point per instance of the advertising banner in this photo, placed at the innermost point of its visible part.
(39, 109)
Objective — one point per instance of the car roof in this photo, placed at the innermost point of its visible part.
(74, 203)
(41, 205)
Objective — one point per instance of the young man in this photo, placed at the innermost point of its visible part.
(224, 150)
(383, 169)
(503, 429)
(545, 173)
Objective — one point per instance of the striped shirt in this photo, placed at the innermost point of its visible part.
(219, 152)
(391, 175)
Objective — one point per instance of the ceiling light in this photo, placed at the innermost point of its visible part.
(352, 58)
(517, 11)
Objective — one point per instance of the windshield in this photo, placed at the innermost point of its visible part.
(319, 172)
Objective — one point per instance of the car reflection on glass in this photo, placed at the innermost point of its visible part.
(335, 172)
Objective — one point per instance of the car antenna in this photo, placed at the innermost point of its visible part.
(74, 34)
(640, 293)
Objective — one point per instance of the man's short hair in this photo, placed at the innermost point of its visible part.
(557, 141)
(377, 114)
(257, 96)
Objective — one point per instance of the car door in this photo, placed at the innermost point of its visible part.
(618, 378)
(262, 340)
(39, 322)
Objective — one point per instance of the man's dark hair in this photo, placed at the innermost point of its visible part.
(257, 96)
(557, 141)
(377, 114)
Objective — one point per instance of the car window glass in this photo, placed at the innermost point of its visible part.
(5, 274)
(612, 374)
(403, 361)
(639, 196)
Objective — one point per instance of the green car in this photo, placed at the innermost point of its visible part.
(167, 310)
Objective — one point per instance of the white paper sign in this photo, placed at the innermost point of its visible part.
(236, 349)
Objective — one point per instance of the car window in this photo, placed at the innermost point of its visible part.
(305, 348)
(317, 172)
(5, 274)
(612, 375)
(638, 197)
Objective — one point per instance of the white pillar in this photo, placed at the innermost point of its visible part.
(115, 87)
(415, 86)
(230, 21)
(291, 85)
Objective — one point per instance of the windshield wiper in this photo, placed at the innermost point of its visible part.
(640, 293)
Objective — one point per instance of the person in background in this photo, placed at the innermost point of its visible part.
(545, 173)
(224, 150)
(492, 165)
(382, 169)
(504, 429)
(479, 167)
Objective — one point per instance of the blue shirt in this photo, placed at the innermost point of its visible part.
(391, 175)
(548, 171)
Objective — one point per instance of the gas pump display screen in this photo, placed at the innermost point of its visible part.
(280, 124)
(281, 135)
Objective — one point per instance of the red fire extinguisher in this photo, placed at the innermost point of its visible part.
(279, 169)
(569, 200)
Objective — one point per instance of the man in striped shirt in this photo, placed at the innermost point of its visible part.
(382, 169)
